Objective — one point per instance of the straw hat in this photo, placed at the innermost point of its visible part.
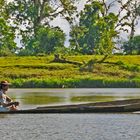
(5, 83)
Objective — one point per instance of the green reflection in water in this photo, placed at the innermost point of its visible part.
(38, 99)
(41, 100)
(96, 98)
(45, 98)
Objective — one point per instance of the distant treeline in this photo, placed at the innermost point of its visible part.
(97, 31)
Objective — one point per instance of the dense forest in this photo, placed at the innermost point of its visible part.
(93, 30)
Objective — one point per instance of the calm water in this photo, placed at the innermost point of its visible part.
(31, 98)
(69, 126)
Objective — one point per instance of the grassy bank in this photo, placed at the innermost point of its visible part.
(117, 71)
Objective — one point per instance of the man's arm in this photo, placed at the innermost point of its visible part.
(8, 99)
(9, 104)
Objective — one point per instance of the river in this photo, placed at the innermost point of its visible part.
(93, 126)
(31, 98)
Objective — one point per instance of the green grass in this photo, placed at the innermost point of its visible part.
(117, 71)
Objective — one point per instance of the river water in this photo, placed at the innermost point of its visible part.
(95, 126)
(31, 98)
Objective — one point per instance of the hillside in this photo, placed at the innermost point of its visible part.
(117, 71)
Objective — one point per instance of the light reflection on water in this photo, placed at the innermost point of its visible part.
(70, 127)
(30, 98)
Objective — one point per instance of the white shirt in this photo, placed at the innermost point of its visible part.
(3, 100)
(3, 97)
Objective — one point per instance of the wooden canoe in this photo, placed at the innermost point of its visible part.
(130, 105)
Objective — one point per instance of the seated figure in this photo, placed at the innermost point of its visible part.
(6, 103)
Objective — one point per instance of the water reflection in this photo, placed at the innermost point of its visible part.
(93, 98)
(29, 98)
(40, 99)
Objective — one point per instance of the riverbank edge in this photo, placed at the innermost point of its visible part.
(75, 83)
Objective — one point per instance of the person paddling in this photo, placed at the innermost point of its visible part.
(6, 103)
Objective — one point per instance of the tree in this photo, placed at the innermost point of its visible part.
(7, 36)
(29, 15)
(99, 27)
(46, 42)
(130, 19)
(76, 34)
(132, 46)
(96, 30)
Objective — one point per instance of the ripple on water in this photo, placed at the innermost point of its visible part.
(70, 126)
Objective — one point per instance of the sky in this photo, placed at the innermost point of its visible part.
(63, 24)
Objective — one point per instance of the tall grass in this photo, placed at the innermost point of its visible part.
(118, 71)
(75, 83)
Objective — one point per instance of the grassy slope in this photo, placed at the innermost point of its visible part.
(121, 71)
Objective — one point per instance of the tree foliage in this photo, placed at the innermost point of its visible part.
(47, 41)
(95, 33)
(7, 36)
(129, 20)
(132, 46)
(96, 30)
(99, 27)
(29, 15)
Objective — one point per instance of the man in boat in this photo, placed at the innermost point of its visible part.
(6, 103)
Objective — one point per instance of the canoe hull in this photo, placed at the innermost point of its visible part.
(100, 107)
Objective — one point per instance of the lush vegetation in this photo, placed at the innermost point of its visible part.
(117, 71)
(94, 30)
(132, 46)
